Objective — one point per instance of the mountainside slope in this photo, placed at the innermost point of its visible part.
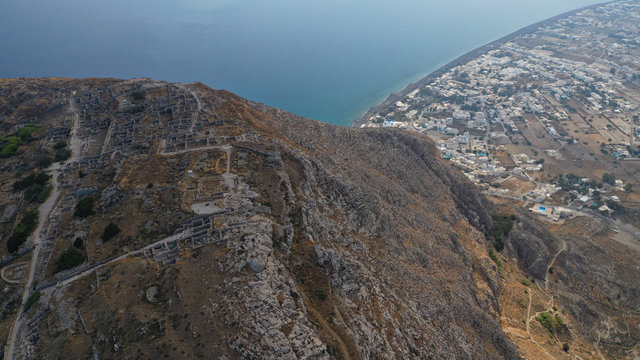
(245, 231)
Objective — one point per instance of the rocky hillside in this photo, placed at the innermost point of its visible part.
(183, 222)
(144, 219)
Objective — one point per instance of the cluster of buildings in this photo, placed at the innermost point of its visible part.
(570, 78)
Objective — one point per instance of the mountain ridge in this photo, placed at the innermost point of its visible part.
(249, 232)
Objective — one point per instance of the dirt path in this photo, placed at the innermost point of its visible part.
(43, 214)
(529, 318)
(546, 275)
(529, 312)
(92, 269)
(196, 114)
(344, 350)
(75, 144)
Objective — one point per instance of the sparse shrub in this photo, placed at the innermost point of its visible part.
(565, 347)
(523, 302)
(526, 282)
(110, 231)
(496, 259)
(321, 295)
(84, 207)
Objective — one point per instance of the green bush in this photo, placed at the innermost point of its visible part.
(553, 324)
(37, 193)
(22, 231)
(110, 231)
(9, 144)
(44, 161)
(39, 178)
(63, 154)
(69, 258)
(502, 225)
(34, 187)
(60, 145)
(321, 295)
(138, 95)
(9, 150)
(84, 207)
(608, 178)
(26, 132)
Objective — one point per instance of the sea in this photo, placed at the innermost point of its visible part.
(329, 60)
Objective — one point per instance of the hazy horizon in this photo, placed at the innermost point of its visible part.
(329, 61)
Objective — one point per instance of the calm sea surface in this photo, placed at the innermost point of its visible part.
(325, 59)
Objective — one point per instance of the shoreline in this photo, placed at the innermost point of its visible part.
(463, 59)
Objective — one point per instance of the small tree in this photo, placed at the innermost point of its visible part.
(138, 95)
(84, 207)
(110, 231)
(22, 231)
(69, 258)
(608, 178)
(78, 242)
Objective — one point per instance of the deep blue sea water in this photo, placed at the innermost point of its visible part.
(325, 59)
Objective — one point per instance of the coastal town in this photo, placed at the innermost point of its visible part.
(549, 117)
